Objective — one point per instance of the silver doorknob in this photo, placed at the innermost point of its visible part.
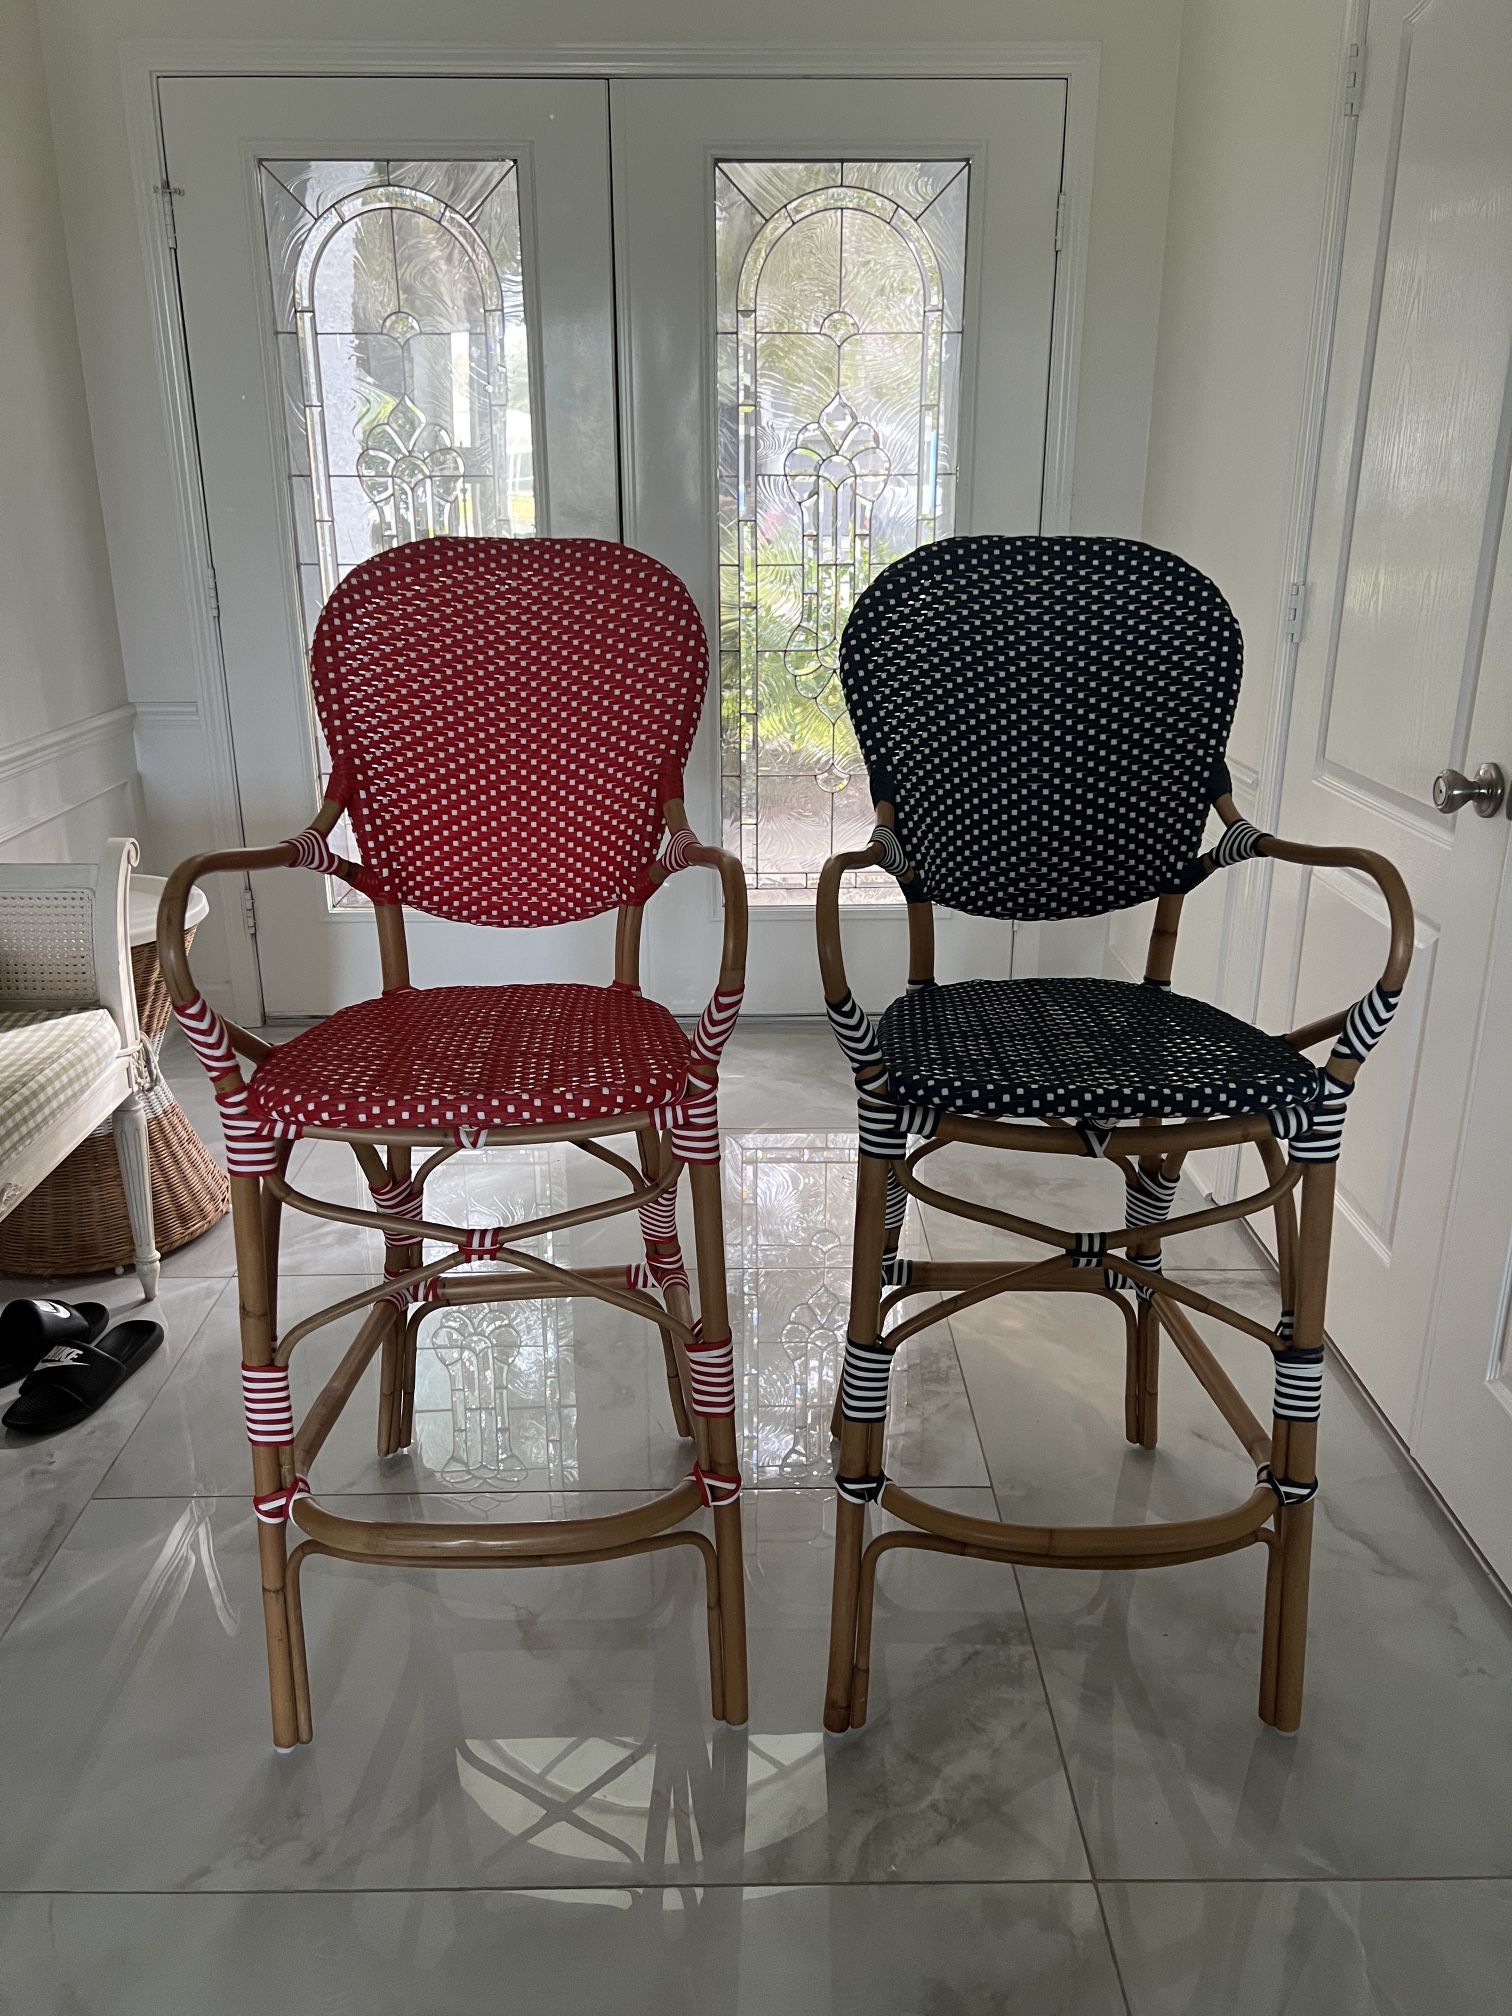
(1485, 790)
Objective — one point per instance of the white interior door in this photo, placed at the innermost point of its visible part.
(398, 309)
(836, 307)
(1405, 671)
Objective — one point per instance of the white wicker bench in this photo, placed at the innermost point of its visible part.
(71, 1054)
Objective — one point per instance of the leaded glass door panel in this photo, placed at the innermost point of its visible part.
(839, 300)
(397, 299)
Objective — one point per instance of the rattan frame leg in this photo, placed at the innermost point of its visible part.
(257, 1346)
(861, 1448)
(723, 1445)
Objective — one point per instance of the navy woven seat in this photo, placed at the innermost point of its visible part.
(1098, 1050)
(1043, 723)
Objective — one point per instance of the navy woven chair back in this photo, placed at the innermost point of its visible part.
(1048, 718)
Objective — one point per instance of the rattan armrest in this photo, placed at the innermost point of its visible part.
(173, 913)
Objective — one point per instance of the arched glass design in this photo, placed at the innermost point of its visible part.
(399, 310)
(839, 311)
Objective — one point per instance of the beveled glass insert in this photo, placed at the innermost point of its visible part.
(399, 304)
(839, 303)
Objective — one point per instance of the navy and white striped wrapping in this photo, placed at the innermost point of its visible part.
(1299, 1384)
(1286, 1325)
(1287, 1490)
(711, 1374)
(1239, 842)
(863, 1381)
(1148, 1197)
(1095, 1139)
(1088, 1249)
(894, 860)
(268, 1404)
(896, 1207)
(1366, 1023)
(880, 1127)
(896, 1271)
(856, 1034)
(861, 1490)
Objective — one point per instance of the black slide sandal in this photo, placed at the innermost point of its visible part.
(72, 1380)
(29, 1328)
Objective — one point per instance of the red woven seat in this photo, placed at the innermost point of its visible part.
(481, 1057)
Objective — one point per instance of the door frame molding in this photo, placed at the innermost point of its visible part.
(144, 62)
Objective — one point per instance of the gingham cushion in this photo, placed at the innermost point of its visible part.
(477, 1057)
(1083, 1050)
(48, 1063)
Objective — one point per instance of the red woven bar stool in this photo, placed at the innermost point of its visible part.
(508, 722)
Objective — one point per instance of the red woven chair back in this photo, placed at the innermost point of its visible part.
(506, 718)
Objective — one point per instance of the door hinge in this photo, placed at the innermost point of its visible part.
(1294, 617)
(1354, 79)
(165, 192)
(1060, 220)
(212, 589)
(249, 910)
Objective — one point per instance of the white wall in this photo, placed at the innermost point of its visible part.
(1257, 98)
(83, 47)
(67, 774)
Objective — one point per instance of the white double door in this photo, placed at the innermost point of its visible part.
(1406, 670)
(775, 334)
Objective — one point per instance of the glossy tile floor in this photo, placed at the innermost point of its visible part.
(1063, 1801)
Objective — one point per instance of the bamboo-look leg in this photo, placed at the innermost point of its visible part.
(654, 1162)
(267, 1476)
(1142, 1413)
(1294, 1455)
(724, 1447)
(272, 1224)
(396, 1377)
(861, 1445)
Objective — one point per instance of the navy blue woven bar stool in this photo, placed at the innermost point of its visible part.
(1043, 722)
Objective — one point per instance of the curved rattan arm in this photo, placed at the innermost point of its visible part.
(732, 884)
(827, 915)
(1398, 910)
(172, 912)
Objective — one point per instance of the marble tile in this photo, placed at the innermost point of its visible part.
(549, 1730)
(1074, 1192)
(792, 1323)
(46, 1480)
(524, 1396)
(1312, 1949)
(1402, 1766)
(924, 1949)
(774, 1073)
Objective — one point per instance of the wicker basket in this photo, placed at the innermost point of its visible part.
(75, 1221)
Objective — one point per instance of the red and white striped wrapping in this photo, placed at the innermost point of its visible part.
(715, 1488)
(470, 1137)
(273, 1507)
(680, 845)
(658, 1219)
(207, 1035)
(428, 1290)
(711, 1374)
(314, 850)
(695, 1124)
(251, 1146)
(268, 1404)
(716, 1024)
(483, 1242)
(399, 1200)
